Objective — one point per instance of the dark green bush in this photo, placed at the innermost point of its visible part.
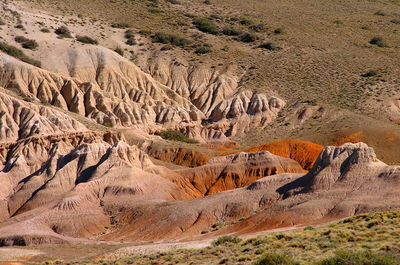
(206, 25)
(45, 30)
(30, 44)
(130, 37)
(2, 23)
(120, 25)
(248, 37)
(63, 32)
(245, 21)
(395, 21)
(119, 50)
(21, 39)
(144, 32)
(378, 41)
(108, 124)
(203, 49)
(269, 46)
(166, 38)
(259, 27)
(86, 40)
(176, 136)
(174, 2)
(227, 239)
(344, 257)
(17, 53)
(20, 26)
(370, 73)
(231, 31)
(275, 259)
(278, 31)
(380, 13)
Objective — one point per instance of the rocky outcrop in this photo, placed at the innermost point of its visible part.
(304, 152)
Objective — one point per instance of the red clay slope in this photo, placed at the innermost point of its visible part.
(304, 152)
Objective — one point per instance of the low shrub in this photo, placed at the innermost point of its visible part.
(144, 32)
(176, 136)
(20, 39)
(167, 38)
(227, 239)
(206, 25)
(174, 2)
(378, 41)
(20, 26)
(45, 30)
(370, 73)
(248, 37)
(30, 44)
(245, 21)
(360, 258)
(120, 25)
(231, 31)
(380, 13)
(259, 27)
(87, 40)
(203, 49)
(2, 23)
(395, 21)
(119, 50)
(268, 46)
(17, 53)
(63, 32)
(276, 259)
(108, 124)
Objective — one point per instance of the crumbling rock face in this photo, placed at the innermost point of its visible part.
(238, 170)
(20, 119)
(178, 156)
(344, 181)
(99, 84)
(304, 152)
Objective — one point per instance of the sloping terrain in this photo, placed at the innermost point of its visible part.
(153, 121)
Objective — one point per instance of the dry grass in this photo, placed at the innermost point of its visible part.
(378, 233)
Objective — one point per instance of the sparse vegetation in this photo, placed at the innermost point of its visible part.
(176, 136)
(248, 37)
(276, 259)
(2, 23)
(30, 44)
(227, 239)
(269, 46)
(172, 39)
(120, 25)
(203, 49)
(45, 30)
(231, 31)
(349, 241)
(370, 73)
(360, 258)
(17, 53)
(119, 50)
(63, 32)
(206, 25)
(378, 41)
(86, 40)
